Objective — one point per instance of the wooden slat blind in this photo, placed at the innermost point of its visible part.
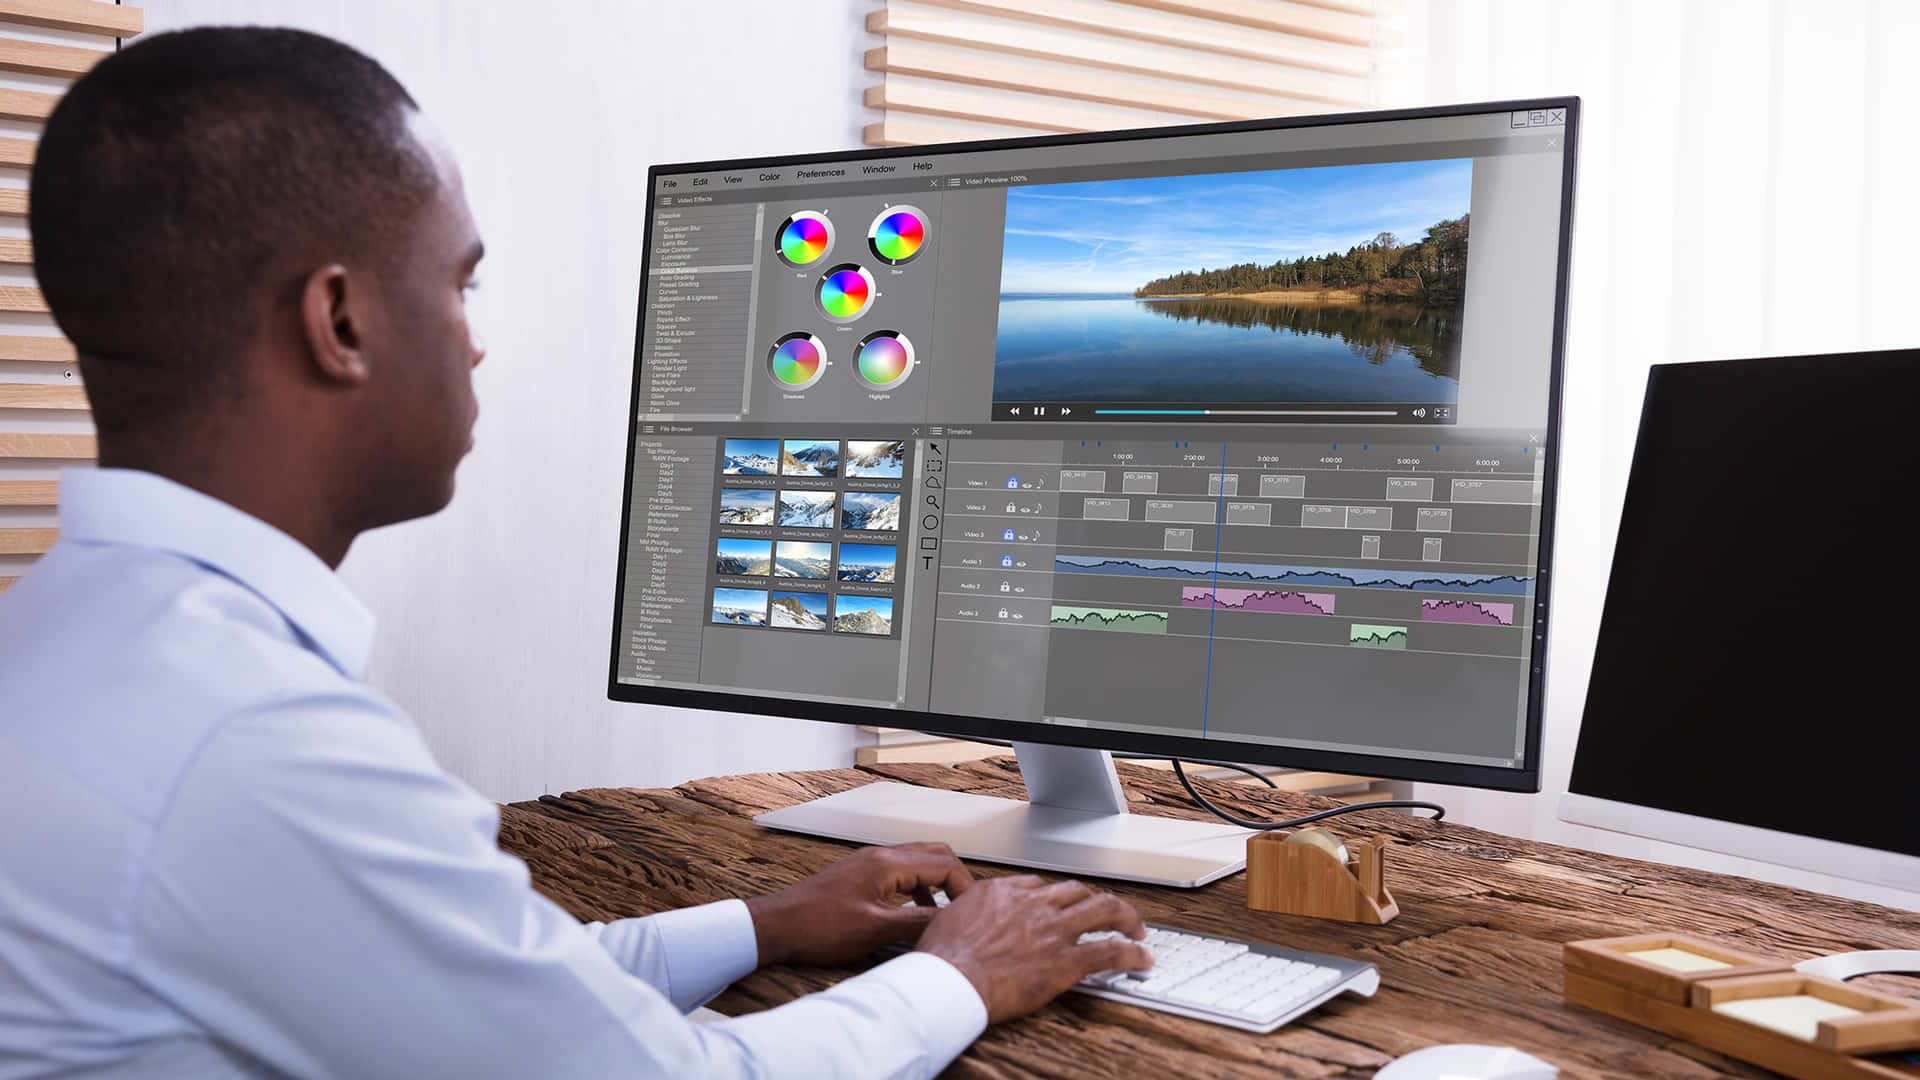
(43, 409)
(960, 69)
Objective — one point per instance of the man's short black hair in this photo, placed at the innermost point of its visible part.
(177, 176)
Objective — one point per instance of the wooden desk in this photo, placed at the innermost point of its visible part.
(1473, 957)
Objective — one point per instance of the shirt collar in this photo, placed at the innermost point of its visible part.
(141, 509)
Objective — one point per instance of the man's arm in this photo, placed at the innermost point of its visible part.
(322, 897)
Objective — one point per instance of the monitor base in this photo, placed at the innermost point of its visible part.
(1092, 835)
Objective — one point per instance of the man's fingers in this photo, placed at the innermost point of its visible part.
(1104, 911)
(907, 919)
(1112, 954)
(925, 870)
(923, 896)
(1065, 894)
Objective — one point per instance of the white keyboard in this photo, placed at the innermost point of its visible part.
(1240, 984)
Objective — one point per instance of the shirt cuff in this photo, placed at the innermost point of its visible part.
(706, 948)
(946, 1007)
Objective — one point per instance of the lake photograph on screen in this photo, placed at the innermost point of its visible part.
(1340, 284)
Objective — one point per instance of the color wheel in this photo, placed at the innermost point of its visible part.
(884, 358)
(797, 360)
(899, 234)
(846, 291)
(805, 238)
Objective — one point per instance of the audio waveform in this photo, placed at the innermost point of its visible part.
(1115, 619)
(1264, 573)
(1369, 636)
(1471, 612)
(1274, 600)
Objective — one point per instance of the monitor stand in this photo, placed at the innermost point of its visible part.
(1074, 821)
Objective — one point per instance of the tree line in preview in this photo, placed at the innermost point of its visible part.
(1431, 270)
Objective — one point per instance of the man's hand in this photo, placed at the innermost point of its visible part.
(853, 907)
(1017, 940)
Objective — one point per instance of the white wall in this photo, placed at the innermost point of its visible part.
(1745, 177)
(495, 616)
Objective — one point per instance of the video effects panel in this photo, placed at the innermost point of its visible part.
(842, 288)
(808, 534)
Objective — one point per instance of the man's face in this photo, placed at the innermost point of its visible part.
(423, 352)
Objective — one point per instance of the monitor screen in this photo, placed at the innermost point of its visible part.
(1740, 675)
(1226, 441)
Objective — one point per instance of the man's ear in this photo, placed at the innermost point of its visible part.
(334, 317)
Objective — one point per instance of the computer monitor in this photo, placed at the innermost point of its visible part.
(1752, 687)
(1228, 441)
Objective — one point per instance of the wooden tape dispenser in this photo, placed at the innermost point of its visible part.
(1310, 872)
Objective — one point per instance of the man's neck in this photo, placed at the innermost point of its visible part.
(288, 491)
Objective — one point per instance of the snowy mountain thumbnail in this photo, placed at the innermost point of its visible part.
(800, 611)
(876, 459)
(867, 510)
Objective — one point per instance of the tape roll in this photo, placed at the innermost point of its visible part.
(1323, 840)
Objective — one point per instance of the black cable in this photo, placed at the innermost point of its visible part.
(1206, 804)
(1248, 823)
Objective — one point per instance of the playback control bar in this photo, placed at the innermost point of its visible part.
(1318, 412)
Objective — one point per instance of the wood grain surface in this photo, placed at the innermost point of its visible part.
(1473, 957)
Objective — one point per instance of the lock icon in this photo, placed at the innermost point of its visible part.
(1003, 613)
(1006, 534)
(1012, 509)
(1006, 560)
(1005, 587)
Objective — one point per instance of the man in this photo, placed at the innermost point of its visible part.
(227, 856)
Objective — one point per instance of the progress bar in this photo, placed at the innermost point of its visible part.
(1246, 412)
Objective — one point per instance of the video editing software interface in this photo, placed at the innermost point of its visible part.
(1238, 435)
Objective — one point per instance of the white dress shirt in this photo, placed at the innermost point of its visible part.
(224, 855)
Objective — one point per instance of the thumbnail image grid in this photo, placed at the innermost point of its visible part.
(740, 607)
(1336, 284)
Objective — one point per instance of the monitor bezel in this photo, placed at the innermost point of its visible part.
(1525, 778)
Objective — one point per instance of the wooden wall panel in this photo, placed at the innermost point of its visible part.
(40, 350)
(37, 396)
(29, 493)
(22, 298)
(1014, 67)
(27, 541)
(25, 104)
(39, 58)
(38, 446)
(85, 16)
(33, 400)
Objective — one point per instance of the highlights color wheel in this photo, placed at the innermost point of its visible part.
(884, 358)
(805, 238)
(797, 360)
(846, 291)
(898, 234)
